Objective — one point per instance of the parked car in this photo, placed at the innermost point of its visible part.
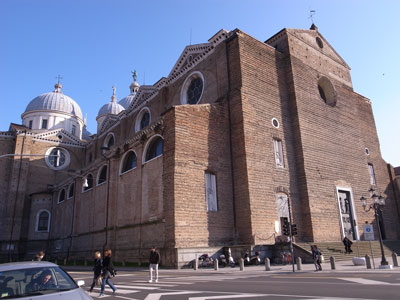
(38, 280)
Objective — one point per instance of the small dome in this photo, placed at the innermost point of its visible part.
(85, 134)
(111, 107)
(55, 101)
(134, 87)
(126, 102)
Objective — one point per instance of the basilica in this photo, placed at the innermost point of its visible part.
(241, 136)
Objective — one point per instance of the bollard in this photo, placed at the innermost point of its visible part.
(299, 263)
(216, 265)
(333, 265)
(196, 263)
(367, 261)
(241, 264)
(65, 261)
(394, 257)
(85, 262)
(267, 264)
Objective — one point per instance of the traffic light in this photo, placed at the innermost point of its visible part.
(294, 229)
(285, 227)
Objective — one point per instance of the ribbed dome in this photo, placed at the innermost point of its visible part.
(55, 101)
(112, 108)
(126, 102)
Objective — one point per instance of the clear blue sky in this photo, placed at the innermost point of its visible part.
(95, 44)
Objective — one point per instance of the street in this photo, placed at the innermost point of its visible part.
(253, 283)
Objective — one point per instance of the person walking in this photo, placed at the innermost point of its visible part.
(98, 264)
(39, 256)
(108, 270)
(154, 260)
(347, 245)
(316, 254)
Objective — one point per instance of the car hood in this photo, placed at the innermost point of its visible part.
(76, 294)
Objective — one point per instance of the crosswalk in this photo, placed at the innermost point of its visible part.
(134, 286)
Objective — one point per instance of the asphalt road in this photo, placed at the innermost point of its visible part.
(250, 284)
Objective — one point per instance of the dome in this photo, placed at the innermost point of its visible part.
(55, 101)
(111, 107)
(134, 87)
(126, 102)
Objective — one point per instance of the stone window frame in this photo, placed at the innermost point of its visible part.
(121, 165)
(45, 124)
(146, 148)
(186, 84)
(367, 151)
(211, 188)
(278, 152)
(59, 196)
(372, 174)
(139, 118)
(85, 189)
(67, 158)
(30, 124)
(99, 174)
(73, 129)
(71, 186)
(37, 220)
(272, 122)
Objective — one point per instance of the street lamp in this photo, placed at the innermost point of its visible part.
(378, 202)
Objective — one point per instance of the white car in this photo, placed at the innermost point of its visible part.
(38, 280)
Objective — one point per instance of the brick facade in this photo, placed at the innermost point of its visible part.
(230, 134)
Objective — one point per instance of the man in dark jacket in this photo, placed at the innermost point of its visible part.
(154, 260)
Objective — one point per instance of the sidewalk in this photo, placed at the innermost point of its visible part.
(341, 266)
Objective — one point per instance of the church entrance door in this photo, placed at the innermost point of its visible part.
(347, 215)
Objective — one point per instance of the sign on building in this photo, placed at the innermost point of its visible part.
(368, 232)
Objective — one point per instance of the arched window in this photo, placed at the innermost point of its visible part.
(88, 182)
(71, 190)
(129, 162)
(155, 148)
(143, 119)
(61, 196)
(327, 91)
(43, 221)
(109, 141)
(102, 175)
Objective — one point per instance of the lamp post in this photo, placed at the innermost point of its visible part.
(378, 202)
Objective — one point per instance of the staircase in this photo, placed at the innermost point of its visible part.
(360, 249)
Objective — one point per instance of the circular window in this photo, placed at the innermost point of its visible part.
(192, 89)
(319, 42)
(367, 151)
(275, 122)
(57, 158)
(327, 91)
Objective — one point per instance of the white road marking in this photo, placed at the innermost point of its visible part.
(368, 281)
(157, 296)
(136, 287)
(228, 296)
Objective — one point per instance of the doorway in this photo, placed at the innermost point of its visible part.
(348, 222)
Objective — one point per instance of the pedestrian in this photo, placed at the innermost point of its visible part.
(108, 271)
(39, 256)
(316, 254)
(154, 260)
(98, 264)
(347, 245)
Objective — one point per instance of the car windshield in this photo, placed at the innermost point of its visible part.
(33, 282)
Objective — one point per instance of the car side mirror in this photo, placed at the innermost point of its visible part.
(80, 282)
